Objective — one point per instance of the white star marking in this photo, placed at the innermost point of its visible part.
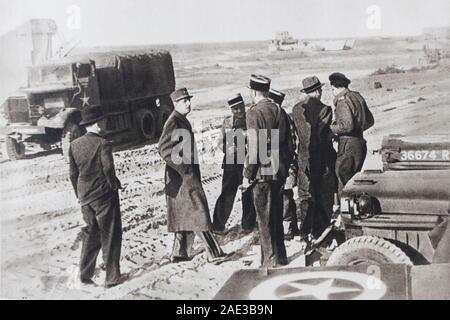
(320, 291)
(85, 100)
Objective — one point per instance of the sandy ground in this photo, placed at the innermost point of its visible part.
(41, 220)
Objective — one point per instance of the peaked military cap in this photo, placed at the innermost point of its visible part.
(259, 83)
(180, 94)
(276, 96)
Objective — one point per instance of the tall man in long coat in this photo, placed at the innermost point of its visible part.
(352, 118)
(267, 168)
(232, 142)
(96, 186)
(316, 158)
(187, 206)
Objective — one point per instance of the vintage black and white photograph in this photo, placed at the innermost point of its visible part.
(224, 150)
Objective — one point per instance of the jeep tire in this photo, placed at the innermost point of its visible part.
(368, 250)
(15, 150)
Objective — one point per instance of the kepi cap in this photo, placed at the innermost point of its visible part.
(259, 83)
(276, 96)
(236, 101)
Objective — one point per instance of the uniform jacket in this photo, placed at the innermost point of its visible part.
(92, 168)
(312, 121)
(353, 116)
(267, 115)
(229, 149)
(187, 206)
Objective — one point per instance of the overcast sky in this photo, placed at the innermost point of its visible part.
(119, 22)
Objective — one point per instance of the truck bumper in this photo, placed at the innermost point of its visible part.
(24, 129)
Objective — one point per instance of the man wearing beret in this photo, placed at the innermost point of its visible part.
(96, 186)
(187, 206)
(352, 118)
(267, 168)
(316, 159)
(232, 142)
(289, 207)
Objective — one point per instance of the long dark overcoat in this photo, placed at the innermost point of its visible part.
(187, 206)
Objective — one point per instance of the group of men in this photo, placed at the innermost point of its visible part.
(266, 153)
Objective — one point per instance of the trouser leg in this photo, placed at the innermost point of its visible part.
(350, 159)
(224, 204)
(268, 206)
(91, 244)
(290, 213)
(248, 210)
(110, 223)
(180, 244)
(212, 247)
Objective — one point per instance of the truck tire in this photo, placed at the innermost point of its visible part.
(15, 150)
(368, 250)
(71, 131)
(146, 124)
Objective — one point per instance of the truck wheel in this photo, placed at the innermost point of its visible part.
(14, 149)
(71, 131)
(368, 250)
(146, 124)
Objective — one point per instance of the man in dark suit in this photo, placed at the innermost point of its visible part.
(267, 166)
(316, 159)
(352, 118)
(232, 142)
(187, 206)
(96, 186)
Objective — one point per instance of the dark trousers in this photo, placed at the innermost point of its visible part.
(350, 159)
(290, 212)
(103, 231)
(182, 245)
(268, 202)
(232, 179)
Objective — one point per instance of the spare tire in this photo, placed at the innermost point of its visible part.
(145, 121)
(72, 130)
(368, 250)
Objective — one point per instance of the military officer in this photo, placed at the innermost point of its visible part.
(289, 207)
(316, 159)
(96, 186)
(232, 142)
(267, 168)
(352, 118)
(187, 206)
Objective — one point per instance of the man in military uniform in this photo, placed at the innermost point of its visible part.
(352, 118)
(187, 206)
(316, 159)
(96, 186)
(232, 142)
(289, 207)
(267, 168)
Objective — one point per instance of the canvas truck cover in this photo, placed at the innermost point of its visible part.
(121, 74)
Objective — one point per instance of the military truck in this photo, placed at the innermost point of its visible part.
(388, 214)
(133, 88)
